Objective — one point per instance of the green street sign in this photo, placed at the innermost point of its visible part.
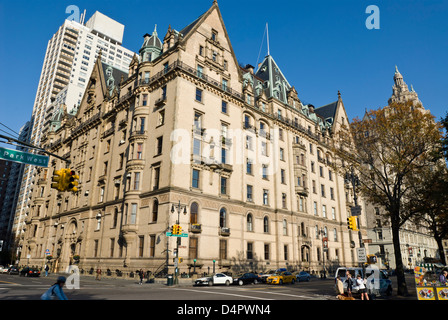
(23, 157)
(183, 235)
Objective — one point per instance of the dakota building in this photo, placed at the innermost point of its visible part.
(234, 146)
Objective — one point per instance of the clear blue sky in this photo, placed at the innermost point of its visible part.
(321, 46)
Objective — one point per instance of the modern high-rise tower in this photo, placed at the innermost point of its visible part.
(68, 63)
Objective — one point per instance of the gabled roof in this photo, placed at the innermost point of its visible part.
(327, 111)
(276, 84)
(191, 26)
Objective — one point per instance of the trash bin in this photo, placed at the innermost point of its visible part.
(169, 280)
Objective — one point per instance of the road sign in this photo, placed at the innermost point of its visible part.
(355, 211)
(182, 235)
(362, 256)
(23, 157)
(47, 252)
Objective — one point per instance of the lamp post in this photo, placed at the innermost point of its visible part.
(176, 264)
(324, 247)
(354, 180)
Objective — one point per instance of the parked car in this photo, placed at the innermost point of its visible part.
(246, 278)
(218, 278)
(281, 278)
(3, 269)
(30, 272)
(13, 270)
(265, 275)
(378, 281)
(303, 276)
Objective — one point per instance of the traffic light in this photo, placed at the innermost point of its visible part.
(351, 222)
(72, 182)
(177, 229)
(58, 180)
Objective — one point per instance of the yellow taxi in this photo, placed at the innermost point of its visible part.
(281, 278)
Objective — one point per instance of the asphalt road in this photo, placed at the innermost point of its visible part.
(14, 287)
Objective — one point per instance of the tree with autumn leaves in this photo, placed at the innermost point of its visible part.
(392, 149)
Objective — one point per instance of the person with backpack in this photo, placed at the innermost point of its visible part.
(55, 292)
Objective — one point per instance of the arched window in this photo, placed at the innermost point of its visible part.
(194, 211)
(266, 225)
(250, 226)
(223, 218)
(155, 210)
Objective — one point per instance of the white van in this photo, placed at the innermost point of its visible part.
(377, 280)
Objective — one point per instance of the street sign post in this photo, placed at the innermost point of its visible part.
(182, 235)
(362, 256)
(23, 157)
(355, 211)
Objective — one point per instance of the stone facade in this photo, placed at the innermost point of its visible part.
(248, 162)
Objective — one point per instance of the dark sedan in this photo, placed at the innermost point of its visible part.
(246, 279)
(13, 270)
(30, 272)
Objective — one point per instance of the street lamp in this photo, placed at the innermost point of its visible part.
(324, 247)
(354, 180)
(176, 264)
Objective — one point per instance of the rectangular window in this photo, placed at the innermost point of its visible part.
(137, 181)
(198, 95)
(266, 252)
(141, 243)
(195, 179)
(249, 193)
(112, 247)
(223, 185)
(222, 249)
(265, 197)
(156, 178)
(152, 246)
(223, 155)
(139, 151)
(193, 248)
(250, 252)
(133, 213)
(159, 145)
(197, 147)
(249, 166)
(224, 107)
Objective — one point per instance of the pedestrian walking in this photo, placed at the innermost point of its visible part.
(98, 274)
(349, 282)
(46, 270)
(55, 292)
(360, 282)
(339, 286)
(443, 278)
(142, 275)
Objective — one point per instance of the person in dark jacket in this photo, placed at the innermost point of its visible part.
(349, 282)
